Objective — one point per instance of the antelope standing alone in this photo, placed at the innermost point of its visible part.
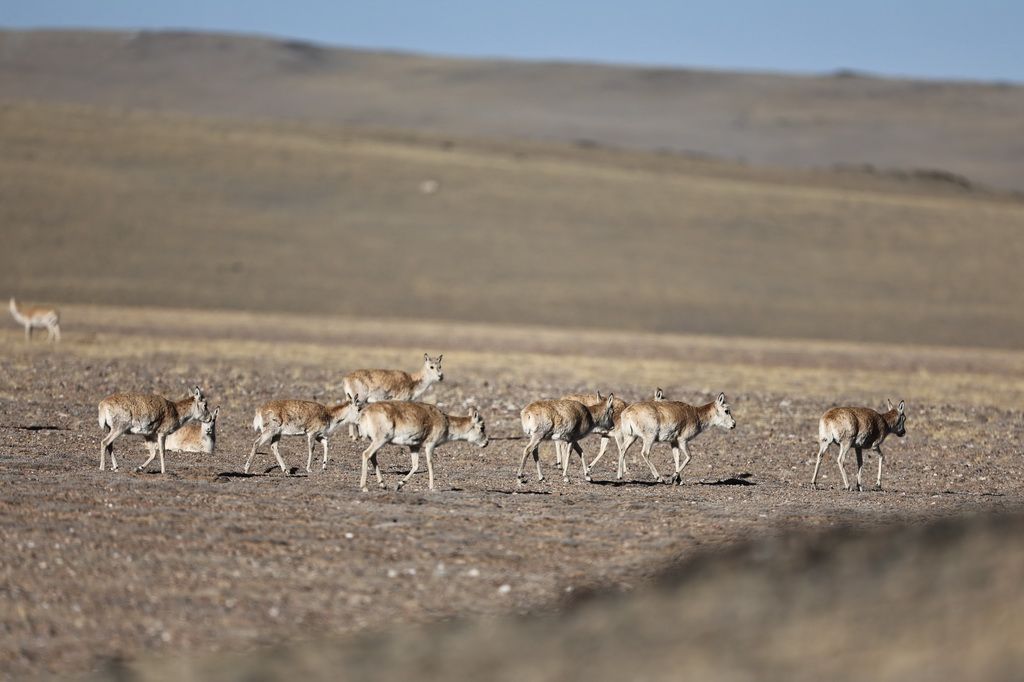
(566, 422)
(858, 428)
(36, 317)
(195, 436)
(417, 425)
(672, 422)
(376, 385)
(151, 416)
(300, 418)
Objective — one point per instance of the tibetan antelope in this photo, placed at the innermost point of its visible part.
(417, 425)
(376, 385)
(300, 418)
(859, 428)
(565, 422)
(37, 317)
(672, 422)
(589, 399)
(151, 416)
(195, 436)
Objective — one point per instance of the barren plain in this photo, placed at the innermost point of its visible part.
(259, 218)
(113, 572)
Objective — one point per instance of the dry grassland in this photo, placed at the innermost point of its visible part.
(537, 269)
(135, 208)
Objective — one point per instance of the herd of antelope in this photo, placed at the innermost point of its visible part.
(381, 406)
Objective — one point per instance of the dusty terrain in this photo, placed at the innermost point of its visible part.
(114, 571)
(357, 210)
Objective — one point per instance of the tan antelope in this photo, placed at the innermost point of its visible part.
(589, 399)
(565, 422)
(151, 416)
(672, 422)
(858, 428)
(376, 385)
(195, 436)
(300, 418)
(37, 317)
(417, 425)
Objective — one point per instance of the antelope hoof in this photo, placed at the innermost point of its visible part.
(398, 486)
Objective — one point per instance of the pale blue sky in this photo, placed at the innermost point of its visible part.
(976, 40)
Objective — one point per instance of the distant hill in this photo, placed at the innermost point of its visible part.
(222, 172)
(961, 130)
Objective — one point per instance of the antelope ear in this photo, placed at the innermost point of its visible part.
(721, 398)
(426, 358)
(611, 399)
(659, 394)
(888, 403)
(476, 416)
(439, 359)
(216, 412)
(900, 408)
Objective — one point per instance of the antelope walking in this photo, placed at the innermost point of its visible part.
(589, 399)
(37, 317)
(376, 385)
(565, 422)
(417, 425)
(300, 418)
(858, 428)
(672, 422)
(195, 436)
(151, 416)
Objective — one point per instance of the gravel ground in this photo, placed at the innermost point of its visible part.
(104, 570)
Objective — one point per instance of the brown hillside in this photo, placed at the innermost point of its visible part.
(969, 129)
(141, 208)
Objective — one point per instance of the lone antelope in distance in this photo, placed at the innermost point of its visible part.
(672, 422)
(151, 416)
(417, 425)
(300, 418)
(195, 436)
(36, 317)
(858, 428)
(376, 385)
(565, 422)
